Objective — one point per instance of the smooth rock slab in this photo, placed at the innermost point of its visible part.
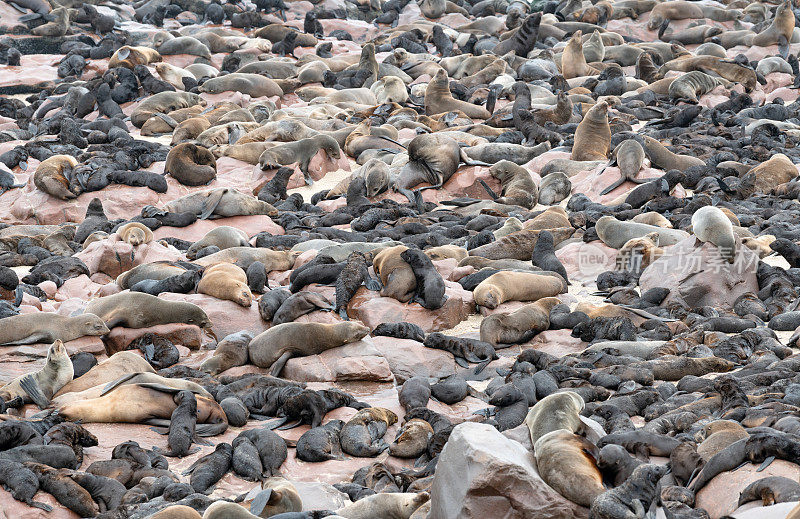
(357, 361)
(409, 358)
(483, 474)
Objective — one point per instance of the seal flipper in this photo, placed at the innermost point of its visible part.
(278, 365)
(124, 378)
(211, 429)
(289, 425)
(373, 284)
(766, 463)
(275, 424)
(614, 185)
(461, 361)
(343, 314)
(31, 387)
(663, 29)
(480, 367)
(38, 504)
(488, 189)
(211, 203)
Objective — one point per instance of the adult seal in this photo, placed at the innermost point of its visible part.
(191, 165)
(593, 135)
(438, 99)
(135, 233)
(519, 326)
(710, 224)
(517, 286)
(231, 352)
(563, 463)
(615, 233)
(554, 412)
(226, 281)
(51, 177)
(43, 327)
(516, 185)
(222, 237)
(40, 387)
(277, 345)
(139, 310)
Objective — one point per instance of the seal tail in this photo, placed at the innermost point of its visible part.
(613, 186)
(663, 29)
(43, 506)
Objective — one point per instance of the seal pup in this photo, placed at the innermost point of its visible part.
(544, 255)
(219, 202)
(563, 463)
(40, 387)
(633, 497)
(223, 237)
(191, 165)
(353, 275)
(321, 443)
(710, 224)
(464, 350)
(274, 347)
(362, 435)
(134, 233)
(429, 283)
(182, 425)
(230, 352)
(226, 281)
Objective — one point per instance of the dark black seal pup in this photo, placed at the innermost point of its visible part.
(415, 392)
(21, 482)
(430, 285)
(544, 255)
(209, 469)
(286, 45)
(256, 277)
(451, 390)
(275, 189)
(73, 435)
(246, 462)
(67, 492)
(321, 273)
(633, 497)
(157, 350)
(182, 425)
(271, 301)
(511, 407)
(178, 284)
(788, 249)
(321, 443)
(616, 464)
(82, 362)
(271, 449)
(107, 492)
(354, 274)
(235, 410)
(14, 433)
(463, 350)
(402, 330)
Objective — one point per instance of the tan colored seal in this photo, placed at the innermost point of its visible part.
(39, 387)
(573, 62)
(226, 281)
(516, 286)
(116, 366)
(51, 179)
(135, 233)
(44, 327)
(593, 135)
(396, 275)
(710, 224)
(519, 326)
(438, 99)
(566, 463)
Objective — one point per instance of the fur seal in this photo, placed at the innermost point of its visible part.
(517, 185)
(464, 350)
(710, 224)
(544, 255)
(629, 156)
(519, 326)
(244, 256)
(321, 443)
(554, 188)
(770, 490)
(138, 310)
(39, 387)
(300, 152)
(51, 177)
(47, 327)
(353, 275)
(396, 275)
(117, 365)
(563, 463)
(135, 233)
(633, 497)
(554, 412)
(223, 237)
(163, 102)
(254, 85)
(429, 283)
(388, 505)
(362, 435)
(573, 62)
(694, 84)
(182, 425)
(191, 165)
(226, 281)
(230, 352)
(516, 286)
(412, 439)
(438, 99)
(64, 489)
(593, 135)
(279, 497)
(616, 234)
(277, 345)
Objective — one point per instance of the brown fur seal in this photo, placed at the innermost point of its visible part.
(70, 494)
(278, 344)
(128, 57)
(396, 275)
(573, 62)
(673, 10)
(177, 512)
(616, 234)
(279, 496)
(163, 102)
(709, 224)
(189, 129)
(135, 233)
(519, 326)
(438, 99)
(711, 64)
(244, 256)
(516, 286)
(220, 202)
(39, 387)
(116, 366)
(385, 505)
(50, 177)
(638, 253)
(254, 85)
(662, 158)
(362, 435)
(629, 157)
(140, 310)
(517, 185)
(718, 435)
(554, 412)
(593, 135)
(519, 245)
(566, 463)
(231, 352)
(780, 30)
(300, 152)
(226, 281)
(412, 439)
(191, 165)
(694, 84)
(44, 327)
(222, 237)
(768, 175)
(59, 25)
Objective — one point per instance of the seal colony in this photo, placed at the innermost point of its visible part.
(413, 244)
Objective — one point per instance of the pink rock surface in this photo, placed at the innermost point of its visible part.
(187, 335)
